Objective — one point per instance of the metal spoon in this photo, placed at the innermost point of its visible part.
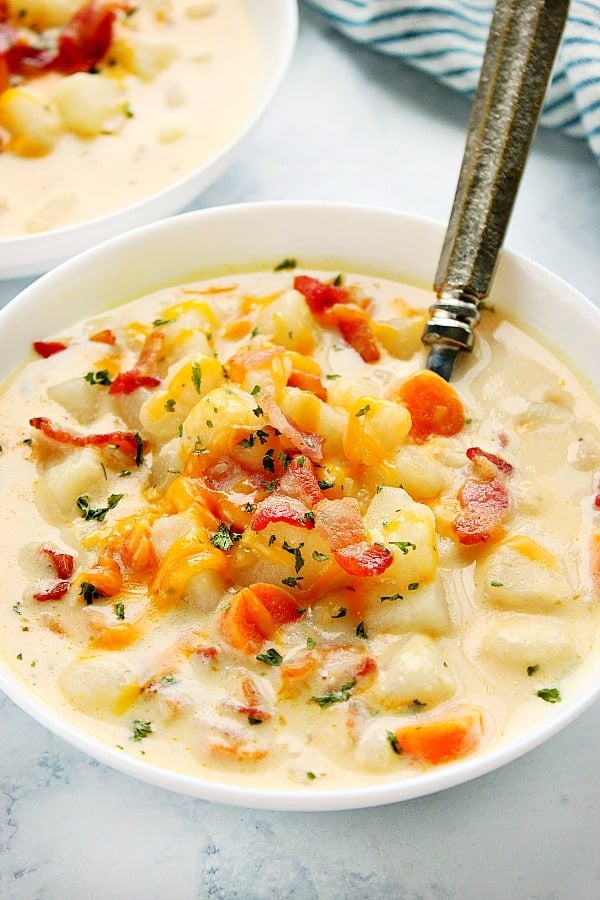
(521, 48)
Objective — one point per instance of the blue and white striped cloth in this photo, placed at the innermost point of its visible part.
(447, 39)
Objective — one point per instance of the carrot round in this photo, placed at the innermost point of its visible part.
(253, 615)
(440, 741)
(433, 404)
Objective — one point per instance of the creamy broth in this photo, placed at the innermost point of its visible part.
(187, 76)
(282, 573)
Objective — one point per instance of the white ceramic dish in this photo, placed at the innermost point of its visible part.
(249, 237)
(276, 25)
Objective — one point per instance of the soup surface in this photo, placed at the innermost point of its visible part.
(170, 86)
(248, 538)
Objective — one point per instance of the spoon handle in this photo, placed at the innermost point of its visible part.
(521, 48)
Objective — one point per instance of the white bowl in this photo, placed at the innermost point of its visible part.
(276, 26)
(258, 236)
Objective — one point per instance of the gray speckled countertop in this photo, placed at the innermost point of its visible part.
(347, 125)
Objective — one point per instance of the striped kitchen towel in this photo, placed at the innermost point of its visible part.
(447, 39)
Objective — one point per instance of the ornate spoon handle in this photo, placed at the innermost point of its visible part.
(521, 48)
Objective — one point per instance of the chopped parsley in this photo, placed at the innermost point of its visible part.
(170, 405)
(100, 377)
(271, 658)
(288, 263)
(361, 631)
(404, 546)
(223, 539)
(550, 695)
(140, 729)
(325, 485)
(413, 586)
(340, 696)
(268, 461)
(340, 613)
(295, 551)
(391, 597)
(311, 776)
(89, 592)
(120, 610)
(96, 514)
(197, 377)
(320, 557)
(495, 583)
(158, 322)
(393, 742)
(310, 643)
(255, 390)
(139, 451)
(363, 410)
(290, 581)
(531, 670)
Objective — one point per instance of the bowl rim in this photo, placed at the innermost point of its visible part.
(22, 309)
(36, 253)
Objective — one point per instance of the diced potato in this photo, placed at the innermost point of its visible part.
(144, 58)
(373, 750)
(521, 575)
(424, 609)
(168, 529)
(523, 642)
(99, 686)
(374, 430)
(86, 103)
(165, 409)
(31, 120)
(205, 591)
(401, 336)
(78, 397)
(412, 671)
(80, 473)
(312, 414)
(408, 529)
(42, 14)
(261, 556)
(346, 392)
(208, 427)
(420, 476)
(289, 322)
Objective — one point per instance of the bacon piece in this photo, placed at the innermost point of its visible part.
(63, 563)
(476, 455)
(319, 295)
(484, 508)
(306, 381)
(143, 373)
(341, 524)
(355, 327)
(248, 360)
(364, 559)
(305, 442)
(276, 508)
(56, 592)
(48, 348)
(127, 442)
(299, 481)
(86, 37)
(333, 306)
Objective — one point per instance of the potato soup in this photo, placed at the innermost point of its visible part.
(104, 104)
(249, 538)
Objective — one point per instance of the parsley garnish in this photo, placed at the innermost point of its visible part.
(290, 581)
(89, 592)
(413, 586)
(393, 742)
(325, 485)
(361, 631)
(310, 643)
(288, 263)
(311, 776)
(327, 700)
(197, 377)
(391, 597)
(255, 390)
(271, 658)
(139, 449)
(550, 695)
(97, 514)
(295, 551)
(495, 583)
(158, 322)
(341, 612)
(320, 557)
(141, 729)
(363, 410)
(531, 670)
(99, 377)
(223, 539)
(405, 546)
(120, 610)
(170, 405)
(268, 462)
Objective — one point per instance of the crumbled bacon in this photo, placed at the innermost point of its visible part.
(48, 348)
(277, 508)
(341, 524)
(477, 456)
(305, 442)
(55, 592)
(63, 563)
(127, 442)
(143, 374)
(484, 508)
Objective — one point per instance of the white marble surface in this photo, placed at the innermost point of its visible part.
(347, 125)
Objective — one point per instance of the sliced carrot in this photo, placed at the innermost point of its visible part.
(277, 601)
(307, 382)
(113, 637)
(254, 614)
(106, 336)
(246, 623)
(439, 741)
(433, 404)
